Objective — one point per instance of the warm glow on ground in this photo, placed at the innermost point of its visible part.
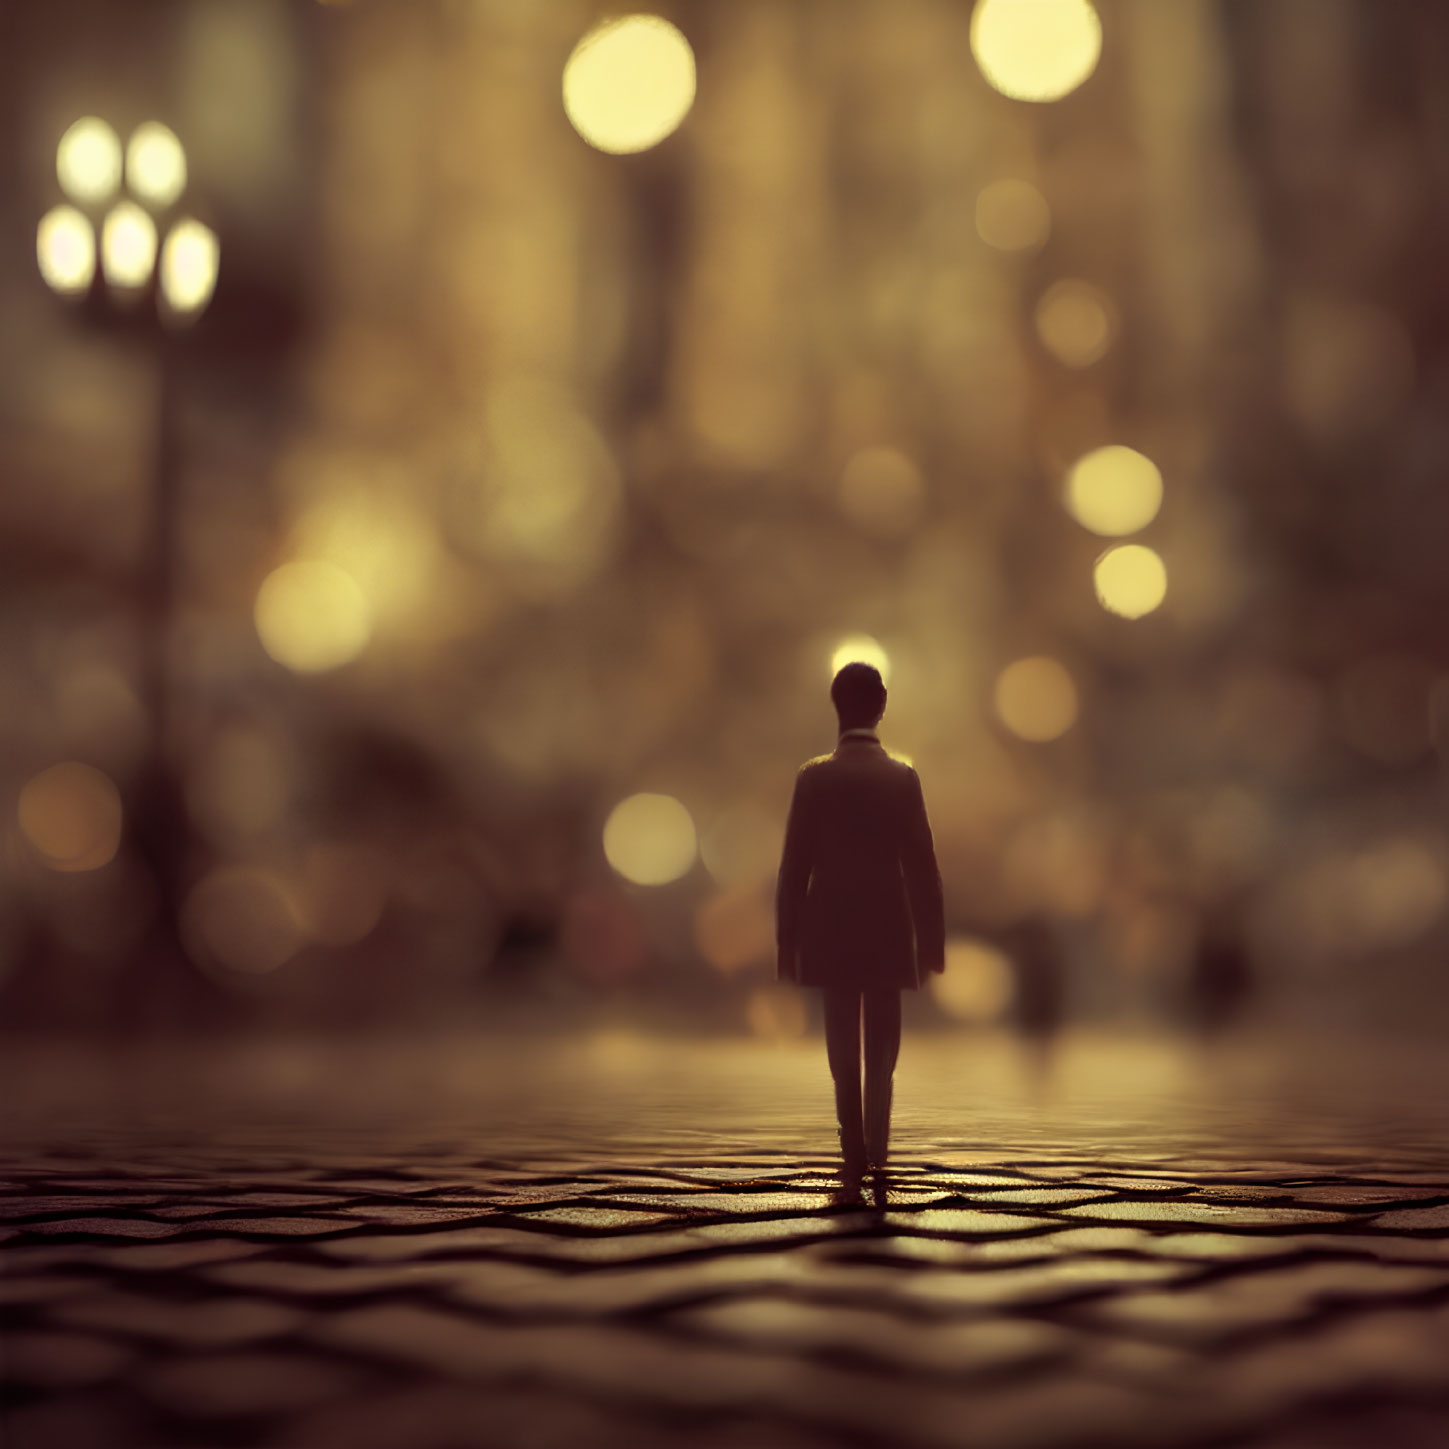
(155, 164)
(128, 246)
(881, 491)
(1114, 491)
(860, 649)
(629, 83)
(1036, 50)
(977, 982)
(1012, 216)
(649, 839)
(1131, 580)
(71, 815)
(188, 266)
(65, 248)
(243, 919)
(311, 615)
(88, 161)
(1036, 699)
(1076, 322)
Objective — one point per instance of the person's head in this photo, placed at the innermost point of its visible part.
(859, 696)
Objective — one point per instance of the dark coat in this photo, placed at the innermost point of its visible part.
(859, 898)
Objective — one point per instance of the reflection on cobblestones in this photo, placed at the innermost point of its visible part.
(657, 1252)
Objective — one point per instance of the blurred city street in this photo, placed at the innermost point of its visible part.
(624, 1240)
(449, 449)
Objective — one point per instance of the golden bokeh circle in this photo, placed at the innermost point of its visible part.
(71, 816)
(1036, 50)
(1012, 216)
(1114, 491)
(1131, 580)
(881, 491)
(629, 83)
(1036, 699)
(88, 161)
(978, 983)
(128, 245)
(65, 249)
(241, 918)
(155, 164)
(1076, 322)
(312, 616)
(861, 649)
(650, 839)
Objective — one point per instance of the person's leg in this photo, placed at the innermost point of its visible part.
(882, 1047)
(842, 1050)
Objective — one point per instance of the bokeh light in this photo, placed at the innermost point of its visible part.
(128, 246)
(1036, 699)
(71, 815)
(735, 929)
(343, 892)
(243, 919)
(1352, 902)
(1036, 50)
(650, 839)
(1114, 491)
(742, 844)
(861, 649)
(189, 260)
(541, 498)
(311, 616)
(88, 161)
(1076, 322)
(1013, 216)
(881, 491)
(155, 164)
(381, 539)
(1131, 580)
(977, 984)
(65, 249)
(629, 83)
(777, 1013)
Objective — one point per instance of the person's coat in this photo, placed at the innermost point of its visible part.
(858, 904)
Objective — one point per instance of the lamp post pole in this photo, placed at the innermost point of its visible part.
(103, 248)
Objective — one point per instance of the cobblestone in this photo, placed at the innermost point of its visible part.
(645, 1268)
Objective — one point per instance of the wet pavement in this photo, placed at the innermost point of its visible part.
(641, 1243)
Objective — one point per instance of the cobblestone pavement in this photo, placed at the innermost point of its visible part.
(647, 1246)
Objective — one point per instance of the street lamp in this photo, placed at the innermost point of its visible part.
(117, 247)
(118, 198)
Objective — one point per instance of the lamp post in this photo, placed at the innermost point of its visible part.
(120, 250)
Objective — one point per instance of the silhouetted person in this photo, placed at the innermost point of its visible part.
(1220, 977)
(858, 910)
(1038, 992)
(1037, 967)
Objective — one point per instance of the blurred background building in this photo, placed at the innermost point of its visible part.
(446, 445)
